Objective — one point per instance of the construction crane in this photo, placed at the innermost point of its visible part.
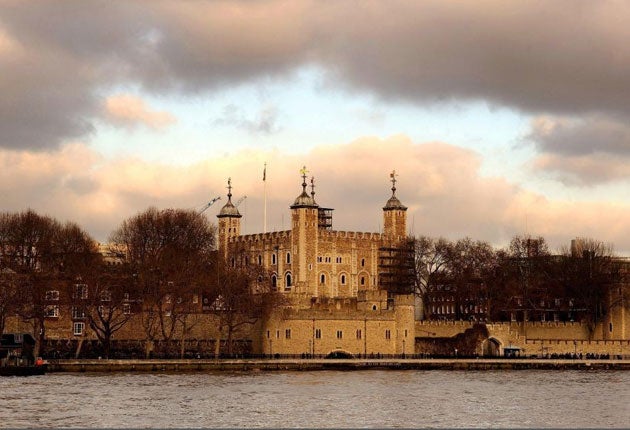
(239, 201)
(210, 203)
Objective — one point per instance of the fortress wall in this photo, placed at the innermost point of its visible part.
(555, 330)
(508, 330)
(567, 346)
(202, 326)
(299, 336)
(441, 328)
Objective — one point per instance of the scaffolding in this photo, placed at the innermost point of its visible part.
(324, 218)
(396, 271)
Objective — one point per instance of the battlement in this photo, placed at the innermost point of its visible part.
(261, 237)
(358, 235)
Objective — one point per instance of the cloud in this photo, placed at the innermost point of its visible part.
(564, 57)
(440, 183)
(264, 124)
(129, 111)
(584, 170)
(585, 151)
(581, 137)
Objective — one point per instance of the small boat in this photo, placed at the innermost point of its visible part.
(16, 356)
(22, 370)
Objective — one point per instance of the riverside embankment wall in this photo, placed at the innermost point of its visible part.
(130, 366)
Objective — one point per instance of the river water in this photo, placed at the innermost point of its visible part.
(370, 398)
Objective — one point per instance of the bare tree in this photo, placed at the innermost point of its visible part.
(167, 253)
(108, 305)
(44, 254)
(469, 264)
(239, 296)
(589, 269)
(8, 295)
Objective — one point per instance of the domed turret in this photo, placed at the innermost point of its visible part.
(394, 215)
(229, 210)
(229, 222)
(393, 203)
(304, 200)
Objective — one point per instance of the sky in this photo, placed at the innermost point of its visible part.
(499, 118)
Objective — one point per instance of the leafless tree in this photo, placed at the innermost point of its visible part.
(589, 269)
(44, 254)
(108, 305)
(167, 252)
(239, 296)
(8, 295)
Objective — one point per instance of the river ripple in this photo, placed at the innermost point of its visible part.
(370, 398)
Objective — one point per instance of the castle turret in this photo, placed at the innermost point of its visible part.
(229, 222)
(304, 222)
(394, 216)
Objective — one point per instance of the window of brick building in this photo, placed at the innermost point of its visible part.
(80, 291)
(52, 295)
(287, 333)
(52, 311)
(78, 328)
(78, 313)
(339, 334)
(318, 333)
(388, 334)
(359, 334)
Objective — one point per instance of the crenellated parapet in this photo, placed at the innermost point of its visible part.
(262, 237)
(354, 235)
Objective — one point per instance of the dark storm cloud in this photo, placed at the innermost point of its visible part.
(562, 57)
(54, 56)
(580, 137)
(584, 152)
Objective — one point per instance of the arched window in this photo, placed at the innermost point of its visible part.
(233, 262)
(259, 260)
(363, 262)
(274, 282)
(288, 282)
(362, 280)
(342, 279)
(288, 258)
(322, 279)
(273, 259)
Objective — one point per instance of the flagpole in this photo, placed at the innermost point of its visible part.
(265, 199)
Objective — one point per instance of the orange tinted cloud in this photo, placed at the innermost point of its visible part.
(440, 183)
(129, 110)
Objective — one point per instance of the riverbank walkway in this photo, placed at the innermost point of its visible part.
(236, 365)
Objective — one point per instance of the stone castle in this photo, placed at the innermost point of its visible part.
(331, 280)
(336, 284)
(339, 301)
